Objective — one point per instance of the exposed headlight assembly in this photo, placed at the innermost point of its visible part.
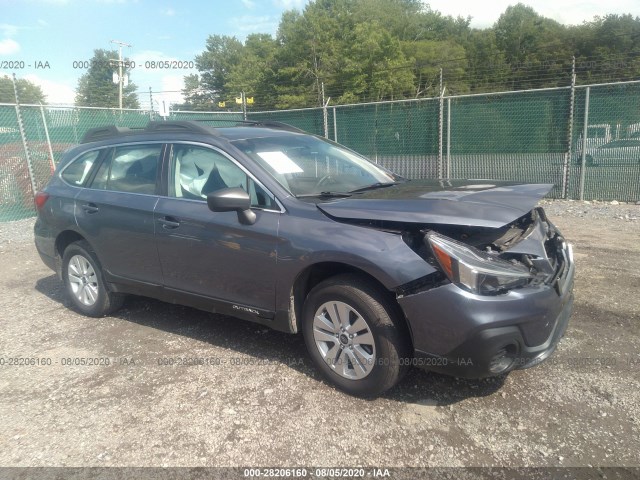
(475, 270)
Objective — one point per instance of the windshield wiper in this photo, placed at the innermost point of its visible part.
(374, 186)
(324, 195)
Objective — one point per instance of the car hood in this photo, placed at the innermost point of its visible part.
(482, 203)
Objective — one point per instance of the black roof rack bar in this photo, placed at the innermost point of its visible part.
(178, 126)
(224, 120)
(280, 125)
(103, 133)
(255, 123)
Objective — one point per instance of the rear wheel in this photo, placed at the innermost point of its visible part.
(354, 336)
(84, 283)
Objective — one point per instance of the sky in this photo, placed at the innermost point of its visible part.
(49, 41)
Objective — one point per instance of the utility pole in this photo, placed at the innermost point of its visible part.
(120, 62)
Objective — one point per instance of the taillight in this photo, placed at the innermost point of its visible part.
(41, 199)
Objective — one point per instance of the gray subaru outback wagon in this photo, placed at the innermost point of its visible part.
(266, 223)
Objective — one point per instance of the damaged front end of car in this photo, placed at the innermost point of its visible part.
(499, 300)
(498, 293)
(491, 261)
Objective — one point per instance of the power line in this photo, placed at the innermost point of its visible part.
(476, 76)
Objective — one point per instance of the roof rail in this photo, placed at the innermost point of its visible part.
(279, 125)
(177, 126)
(254, 123)
(102, 133)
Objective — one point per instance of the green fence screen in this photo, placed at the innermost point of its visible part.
(536, 136)
(612, 154)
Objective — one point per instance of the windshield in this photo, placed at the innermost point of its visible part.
(306, 165)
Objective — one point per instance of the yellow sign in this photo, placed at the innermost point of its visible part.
(222, 104)
(239, 100)
(250, 100)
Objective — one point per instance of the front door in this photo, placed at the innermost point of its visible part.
(211, 254)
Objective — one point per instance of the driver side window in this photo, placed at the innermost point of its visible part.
(197, 171)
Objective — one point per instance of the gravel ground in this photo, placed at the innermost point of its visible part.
(16, 233)
(592, 209)
(268, 407)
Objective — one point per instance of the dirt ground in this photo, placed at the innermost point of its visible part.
(256, 400)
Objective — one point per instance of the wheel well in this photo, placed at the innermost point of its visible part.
(314, 274)
(65, 239)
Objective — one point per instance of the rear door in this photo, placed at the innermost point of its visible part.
(211, 254)
(116, 212)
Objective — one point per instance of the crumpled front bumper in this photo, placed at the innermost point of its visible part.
(463, 334)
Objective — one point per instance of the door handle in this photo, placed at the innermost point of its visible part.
(90, 208)
(169, 222)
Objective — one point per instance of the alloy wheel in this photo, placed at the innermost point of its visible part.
(344, 340)
(83, 280)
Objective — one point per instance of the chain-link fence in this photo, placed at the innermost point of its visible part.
(16, 191)
(535, 136)
(585, 141)
(605, 164)
(308, 119)
(521, 136)
(33, 139)
(401, 136)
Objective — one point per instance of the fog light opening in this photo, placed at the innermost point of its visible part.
(504, 359)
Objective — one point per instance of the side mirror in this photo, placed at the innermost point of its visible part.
(230, 200)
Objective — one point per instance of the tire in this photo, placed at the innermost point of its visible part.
(84, 283)
(365, 366)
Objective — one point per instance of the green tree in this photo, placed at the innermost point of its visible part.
(410, 20)
(96, 87)
(366, 50)
(312, 52)
(253, 72)
(371, 50)
(487, 68)
(196, 97)
(228, 68)
(221, 54)
(608, 49)
(432, 55)
(377, 68)
(401, 18)
(28, 92)
(536, 48)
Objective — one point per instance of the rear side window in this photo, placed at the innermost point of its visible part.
(131, 169)
(77, 172)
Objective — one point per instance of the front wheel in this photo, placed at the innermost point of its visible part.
(354, 335)
(83, 280)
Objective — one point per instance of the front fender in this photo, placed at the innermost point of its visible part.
(306, 242)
